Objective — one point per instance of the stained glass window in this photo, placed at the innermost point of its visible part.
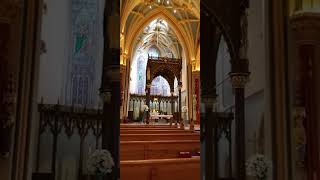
(160, 86)
(141, 75)
(154, 52)
(86, 31)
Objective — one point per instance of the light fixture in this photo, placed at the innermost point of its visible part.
(150, 7)
(168, 2)
(159, 1)
(174, 11)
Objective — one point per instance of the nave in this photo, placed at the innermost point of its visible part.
(159, 152)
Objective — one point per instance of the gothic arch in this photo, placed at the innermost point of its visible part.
(221, 28)
(166, 67)
(186, 44)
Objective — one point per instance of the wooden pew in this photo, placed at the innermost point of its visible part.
(145, 126)
(142, 128)
(161, 169)
(143, 150)
(149, 131)
(159, 137)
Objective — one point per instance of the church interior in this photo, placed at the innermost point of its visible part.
(120, 89)
(160, 95)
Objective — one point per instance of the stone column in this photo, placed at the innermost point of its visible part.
(239, 77)
(172, 108)
(148, 86)
(305, 77)
(110, 93)
(180, 120)
(238, 81)
(110, 85)
(133, 109)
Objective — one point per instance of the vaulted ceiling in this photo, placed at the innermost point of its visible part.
(181, 16)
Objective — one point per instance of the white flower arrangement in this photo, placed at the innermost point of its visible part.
(258, 166)
(100, 162)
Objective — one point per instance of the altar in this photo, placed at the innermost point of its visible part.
(157, 116)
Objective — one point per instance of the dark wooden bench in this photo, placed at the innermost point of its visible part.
(142, 150)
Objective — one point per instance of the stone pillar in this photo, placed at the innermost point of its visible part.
(239, 77)
(110, 93)
(196, 96)
(238, 81)
(172, 107)
(133, 108)
(179, 106)
(148, 86)
(305, 75)
(110, 85)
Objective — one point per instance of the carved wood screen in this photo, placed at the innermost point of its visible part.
(169, 68)
(160, 103)
(223, 128)
(60, 120)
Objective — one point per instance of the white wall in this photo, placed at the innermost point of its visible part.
(55, 32)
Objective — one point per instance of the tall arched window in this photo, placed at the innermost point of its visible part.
(154, 52)
(141, 75)
(160, 86)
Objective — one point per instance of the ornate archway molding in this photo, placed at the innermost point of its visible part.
(185, 40)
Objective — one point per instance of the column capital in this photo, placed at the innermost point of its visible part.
(239, 80)
(106, 96)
